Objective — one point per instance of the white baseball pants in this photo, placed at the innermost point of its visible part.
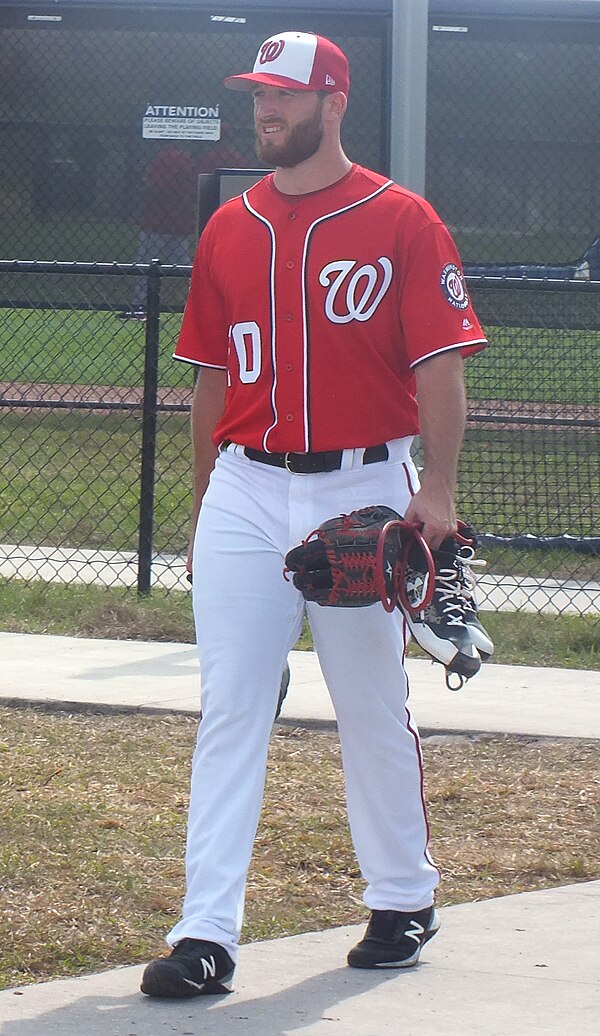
(247, 620)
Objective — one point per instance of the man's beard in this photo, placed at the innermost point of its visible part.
(301, 143)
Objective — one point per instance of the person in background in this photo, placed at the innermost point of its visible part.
(168, 209)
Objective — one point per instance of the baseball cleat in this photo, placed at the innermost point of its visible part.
(394, 939)
(195, 968)
(478, 634)
(440, 629)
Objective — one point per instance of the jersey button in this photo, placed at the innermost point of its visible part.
(288, 317)
(289, 366)
(290, 264)
(289, 417)
(293, 215)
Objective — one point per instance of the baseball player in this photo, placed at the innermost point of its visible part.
(324, 301)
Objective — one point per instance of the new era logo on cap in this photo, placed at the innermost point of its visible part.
(298, 61)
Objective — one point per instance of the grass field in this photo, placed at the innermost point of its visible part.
(568, 641)
(72, 479)
(531, 364)
(93, 813)
(84, 348)
(88, 348)
(545, 481)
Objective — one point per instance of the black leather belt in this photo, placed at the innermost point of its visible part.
(312, 463)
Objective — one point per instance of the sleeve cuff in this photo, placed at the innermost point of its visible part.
(199, 363)
(481, 342)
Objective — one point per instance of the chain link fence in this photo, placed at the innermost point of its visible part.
(513, 136)
(94, 432)
(108, 116)
(94, 425)
(530, 466)
(108, 113)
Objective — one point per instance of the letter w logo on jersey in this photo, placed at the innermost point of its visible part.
(360, 290)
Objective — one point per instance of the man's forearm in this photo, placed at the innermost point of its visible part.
(442, 416)
(207, 407)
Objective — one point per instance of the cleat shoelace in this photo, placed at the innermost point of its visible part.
(468, 582)
(449, 595)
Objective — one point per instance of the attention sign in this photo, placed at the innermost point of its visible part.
(181, 122)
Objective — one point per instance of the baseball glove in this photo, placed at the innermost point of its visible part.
(364, 557)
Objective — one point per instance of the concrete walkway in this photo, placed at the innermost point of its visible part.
(518, 966)
(135, 674)
(526, 964)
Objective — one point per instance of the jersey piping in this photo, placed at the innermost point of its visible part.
(447, 349)
(271, 230)
(305, 320)
(199, 363)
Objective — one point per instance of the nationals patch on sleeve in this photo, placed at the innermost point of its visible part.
(453, 286)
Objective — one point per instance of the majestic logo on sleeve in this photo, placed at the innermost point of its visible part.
(453, 286)
(360, 290)
(271, 50)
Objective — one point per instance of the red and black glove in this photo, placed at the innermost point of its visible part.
(362, 558)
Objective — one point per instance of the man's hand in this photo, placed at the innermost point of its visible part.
(433, 509)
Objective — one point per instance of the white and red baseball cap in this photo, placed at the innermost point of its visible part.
(297, 61)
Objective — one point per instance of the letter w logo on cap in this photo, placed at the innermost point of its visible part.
(271, 50)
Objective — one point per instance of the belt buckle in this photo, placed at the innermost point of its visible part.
(293, 471)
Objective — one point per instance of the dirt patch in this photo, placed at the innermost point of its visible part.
(503, 412)
(102, 394)
(93, 813)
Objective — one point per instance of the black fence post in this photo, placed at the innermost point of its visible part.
(149, 424)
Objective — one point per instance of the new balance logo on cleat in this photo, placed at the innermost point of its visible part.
(394, 939)
(415, 931)
(209, 970)
(195, 968)
(209, 967)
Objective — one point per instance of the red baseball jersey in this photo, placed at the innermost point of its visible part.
(319, 306)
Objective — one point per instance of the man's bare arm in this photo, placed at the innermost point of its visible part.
(207, 407)
(442, 416)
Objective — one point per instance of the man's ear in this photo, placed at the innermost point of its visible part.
(336, 104)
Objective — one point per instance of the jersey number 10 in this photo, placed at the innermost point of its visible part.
(247, 342)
